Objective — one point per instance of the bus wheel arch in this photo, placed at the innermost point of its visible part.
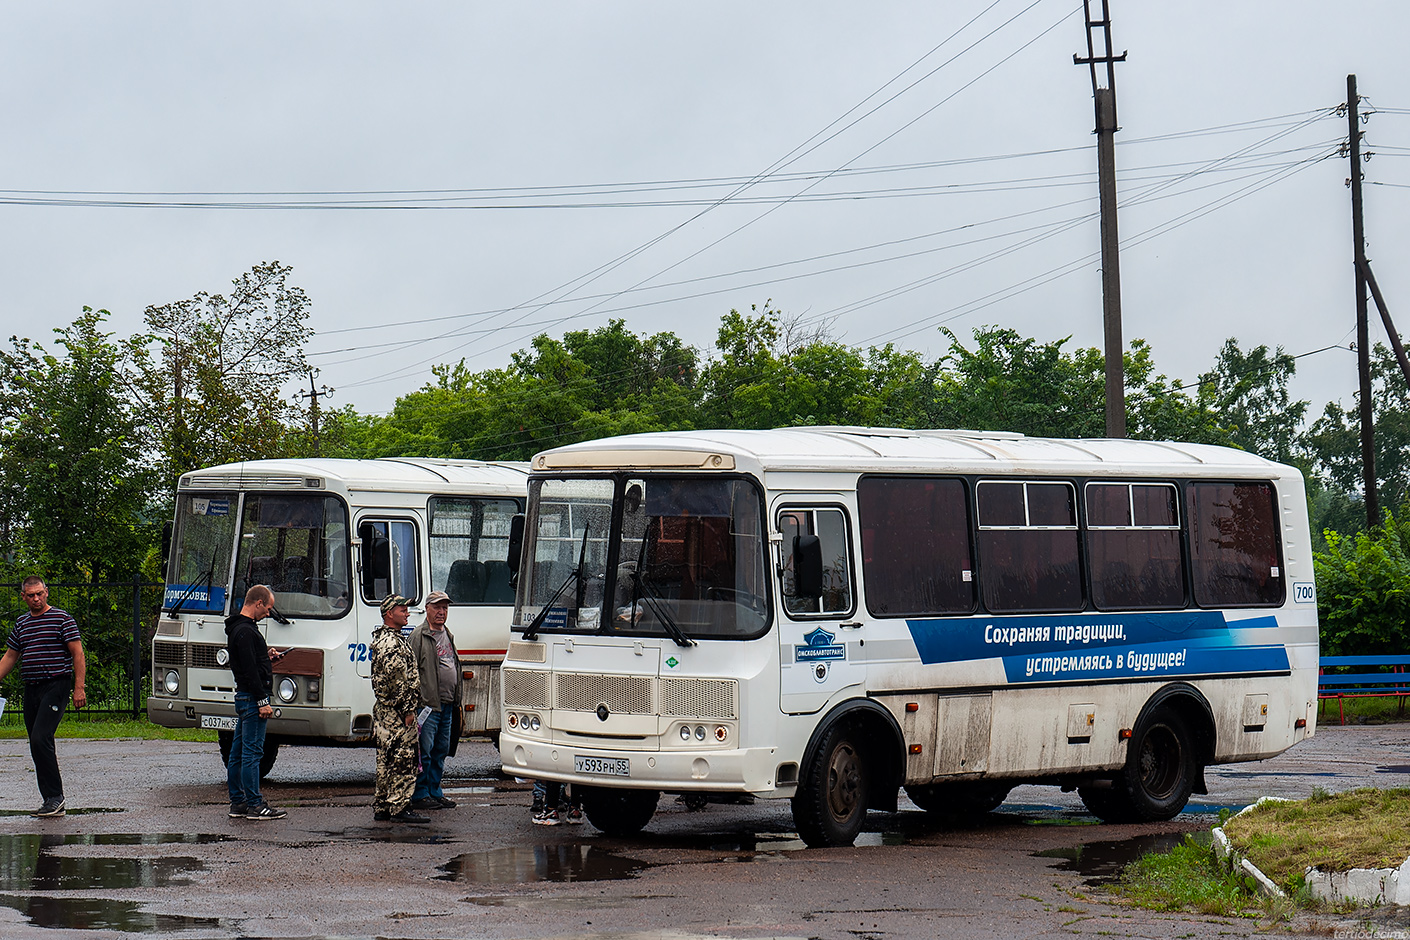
(852, 763)
(1170, 743)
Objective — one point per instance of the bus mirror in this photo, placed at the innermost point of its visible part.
(516, 541)
(166, 545)
(807, 566)
(376, 561)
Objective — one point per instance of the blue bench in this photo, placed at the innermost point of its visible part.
(1363, 677)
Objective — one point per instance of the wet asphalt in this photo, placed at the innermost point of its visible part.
(147, 849)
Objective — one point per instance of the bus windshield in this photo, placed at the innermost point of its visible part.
(647, 555)
(298, 547)
(199, 570)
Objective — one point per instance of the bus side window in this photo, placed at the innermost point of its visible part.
(389, 564)
(830, 527)
(1028, 546)
(1234, 544)
(1133, 546)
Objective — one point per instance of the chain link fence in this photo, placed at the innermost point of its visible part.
(116, 621)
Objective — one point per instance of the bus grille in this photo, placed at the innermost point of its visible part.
(623, 695)
(698, 698)
(168, 654)
(527, 652)
(525, 688)
(203, 656)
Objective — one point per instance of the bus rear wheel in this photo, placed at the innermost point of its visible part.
(959, 799)
(266, 763)
(1158, 777)
(619, 812)
(831, 803)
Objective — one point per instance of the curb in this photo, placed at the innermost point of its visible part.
(1371, 886)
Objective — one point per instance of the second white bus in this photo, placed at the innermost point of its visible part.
(828, 615)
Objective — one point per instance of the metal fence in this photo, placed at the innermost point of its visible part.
(116, 620)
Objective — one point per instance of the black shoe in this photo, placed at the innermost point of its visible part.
(446, 802)
(407, 816)
(265, 811)
(239, 810)
(50, 808)
(381, 815)
(426, 803)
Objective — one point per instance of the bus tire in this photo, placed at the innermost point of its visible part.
(959, 799)
(1160, 772)
(266, 761)
(619, 812)
(831, 803)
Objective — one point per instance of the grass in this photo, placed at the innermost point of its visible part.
(1366, 828)
(1362, 711)
(1189, 878)
(108, 726)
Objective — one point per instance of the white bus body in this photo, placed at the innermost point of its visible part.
(331, 538)
(831, 614)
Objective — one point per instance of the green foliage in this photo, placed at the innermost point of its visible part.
(1363, 589)
(1189, 878)
(1334, 440)
(77, 487)
(209, 375)
(1249, 393)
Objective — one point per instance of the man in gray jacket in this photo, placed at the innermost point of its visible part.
(439, 667)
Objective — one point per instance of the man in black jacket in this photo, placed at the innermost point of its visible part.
(250, 659)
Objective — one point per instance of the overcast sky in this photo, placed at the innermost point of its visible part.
(499, 170)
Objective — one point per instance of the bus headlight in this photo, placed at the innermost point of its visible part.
(288, 688)
(513, 720)
(685, 732)
(172, 682)
(533, 722)
(721, 733)
(313, 690)
(700, 732)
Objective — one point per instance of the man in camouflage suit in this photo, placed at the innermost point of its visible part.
(398, 689)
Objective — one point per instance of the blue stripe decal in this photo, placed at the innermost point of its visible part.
(1104, 646)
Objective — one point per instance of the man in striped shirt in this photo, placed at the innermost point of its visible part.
(46, 646)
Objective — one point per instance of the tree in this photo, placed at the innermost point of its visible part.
(211, 372)
(1249, 393)
(1363, 589)
(77, 488)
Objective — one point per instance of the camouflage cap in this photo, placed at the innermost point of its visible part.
(394, 600)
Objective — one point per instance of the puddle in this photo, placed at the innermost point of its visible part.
(29, 866)
(563, 904)
(1103, 862)
(368, 834)
(530, 863)
(1394, 769)
(28, 863)
(80, 811)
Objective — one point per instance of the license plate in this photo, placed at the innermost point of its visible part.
(602, 766)
(219, 722)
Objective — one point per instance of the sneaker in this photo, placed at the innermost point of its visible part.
(409, 816)
(548, 817)
(446, 802)
(265, 811)
(381, 815)
(50, 808)
(426, 803)
(239, 810)
(574, 816)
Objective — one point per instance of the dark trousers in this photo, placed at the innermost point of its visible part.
(435, 745)
(44, 704)
(246, 753)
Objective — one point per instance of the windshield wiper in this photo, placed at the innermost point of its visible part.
(643, 589)
(210, 576)
(532, 630)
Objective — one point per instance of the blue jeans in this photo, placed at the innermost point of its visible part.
(435, 745)
(246, 751)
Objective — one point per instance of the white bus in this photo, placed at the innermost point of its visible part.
(331, 538)
(831, 614)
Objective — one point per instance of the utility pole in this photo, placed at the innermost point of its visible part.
(1104, 98)
(313, 394)
(1363, 331)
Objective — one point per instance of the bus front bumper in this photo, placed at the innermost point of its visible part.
(296, 721)
(743, 770)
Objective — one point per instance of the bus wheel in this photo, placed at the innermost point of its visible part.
(832, 800)
(1159, 774)
(959, 799)
(619, 812)
(266, 761)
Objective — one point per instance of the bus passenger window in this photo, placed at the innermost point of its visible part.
(399, 540)
(1133, 546)
(1234, 545)
(469, 543)
(915, 546)
(830, 526)
(1030, 561)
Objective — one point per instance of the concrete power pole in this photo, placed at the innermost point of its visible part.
(1104, 98)
(1363, 329)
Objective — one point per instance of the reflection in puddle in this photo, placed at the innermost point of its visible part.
(1103, 862)
(80, 811)
(30, 866)
(558, 903)
(525, 864)
(1394, 769)
(368, 834)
